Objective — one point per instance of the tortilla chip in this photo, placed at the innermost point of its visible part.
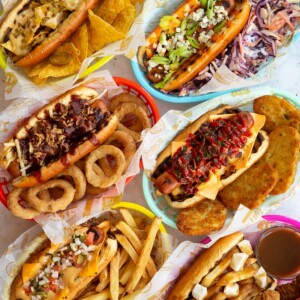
(45, 69)
(115, 6)
(106, 15)
(124, 19)
(101, 33)
(80, 40)
(38, 81)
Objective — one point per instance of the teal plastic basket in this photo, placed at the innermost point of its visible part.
(159, 205)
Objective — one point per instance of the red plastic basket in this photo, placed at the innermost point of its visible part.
(128, 86)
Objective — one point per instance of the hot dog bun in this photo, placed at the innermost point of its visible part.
(63, 31)
(247, 159)
(202, 265)
(190, 67)
(39, 255)
(90, 141)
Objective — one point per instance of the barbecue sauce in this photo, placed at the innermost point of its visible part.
(279, 252)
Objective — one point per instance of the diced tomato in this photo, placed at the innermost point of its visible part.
(57, 268)
(53, 287)
(27, 290)
(90, 238)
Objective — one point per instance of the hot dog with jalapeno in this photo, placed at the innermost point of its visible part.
(185, 42)
(58, 135)
(208, 155)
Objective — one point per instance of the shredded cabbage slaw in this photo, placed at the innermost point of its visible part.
(270, 26)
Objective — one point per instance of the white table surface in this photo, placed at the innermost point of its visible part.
(287, 77)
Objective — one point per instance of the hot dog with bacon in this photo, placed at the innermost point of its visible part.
(58, 135)
(187, 41)
(33, 30)
(208, 155)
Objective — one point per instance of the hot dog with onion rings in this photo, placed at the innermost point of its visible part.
(58, 135)
(33, 30)
(185, 42)
(208, 155)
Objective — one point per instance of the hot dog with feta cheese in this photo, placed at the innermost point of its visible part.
(208, 155)
(58, 135)
(187, 41)
(33, 30)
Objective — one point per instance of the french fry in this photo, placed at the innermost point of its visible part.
(114, 276)
(104, 295)
(210, 278)
(250, 261)
(219, 296)
(144, 257)
(107, 253)
(141, 234)
(131, 296)
(142, 283)
(137, 244)
(103, 280)
(211, 291)
(123, 257)
(232, 277)
(246, 281)
(126, 272)
(128, 218)
(127, 246)
(245, 289)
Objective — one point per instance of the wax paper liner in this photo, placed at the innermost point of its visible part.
(56, 224)
(164, 131)
(18, 85)
(16, 255)
(223, 79)
(182, 257)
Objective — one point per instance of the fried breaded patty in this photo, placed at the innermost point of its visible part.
(283, 154)
(251, 188)
(268, 295)
(204, 218)
(278, 111)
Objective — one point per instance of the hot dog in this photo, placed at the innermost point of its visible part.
(65, 270)
(33, 30)
(58, 135)
(187, 41)
(208, 155)
(228, 269)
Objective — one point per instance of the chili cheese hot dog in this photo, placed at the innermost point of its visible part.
(33, 30)
(208, 155)
(187, 41)
(58, 135)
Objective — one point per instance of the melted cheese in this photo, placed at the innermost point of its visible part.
(210, 188)
(30, 271)
(91, 268)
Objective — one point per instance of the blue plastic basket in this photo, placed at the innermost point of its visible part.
(159, 205)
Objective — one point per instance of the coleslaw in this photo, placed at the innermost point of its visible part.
(271, 25)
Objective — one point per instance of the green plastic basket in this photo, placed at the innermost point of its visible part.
(158, 204)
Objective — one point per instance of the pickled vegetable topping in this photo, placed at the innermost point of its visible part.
(209, 149)
(75, 254)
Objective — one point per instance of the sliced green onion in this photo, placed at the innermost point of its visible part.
(192, 28)
(183, 24)
(219, 26)
(179, 52)
(161, 60)
(210, 9)
(162, 38)
(174, 66)
(194, 43)
(203, 3)
(161, 84)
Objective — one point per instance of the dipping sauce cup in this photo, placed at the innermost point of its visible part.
(278, 251)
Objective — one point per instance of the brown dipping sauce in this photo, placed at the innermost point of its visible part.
(278, 251)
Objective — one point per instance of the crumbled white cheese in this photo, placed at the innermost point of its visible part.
(199, 292)
(238, 260)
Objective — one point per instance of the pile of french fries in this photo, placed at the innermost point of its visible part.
(237, 280)
(131, 266)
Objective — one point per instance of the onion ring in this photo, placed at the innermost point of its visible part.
(16, 208)
(126, 98)
(95, 175)
(125, 143)
(131, 108)
(52, 205)
(94, 191)
(79, 180)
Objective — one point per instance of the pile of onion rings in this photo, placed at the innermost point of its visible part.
(95, 173)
